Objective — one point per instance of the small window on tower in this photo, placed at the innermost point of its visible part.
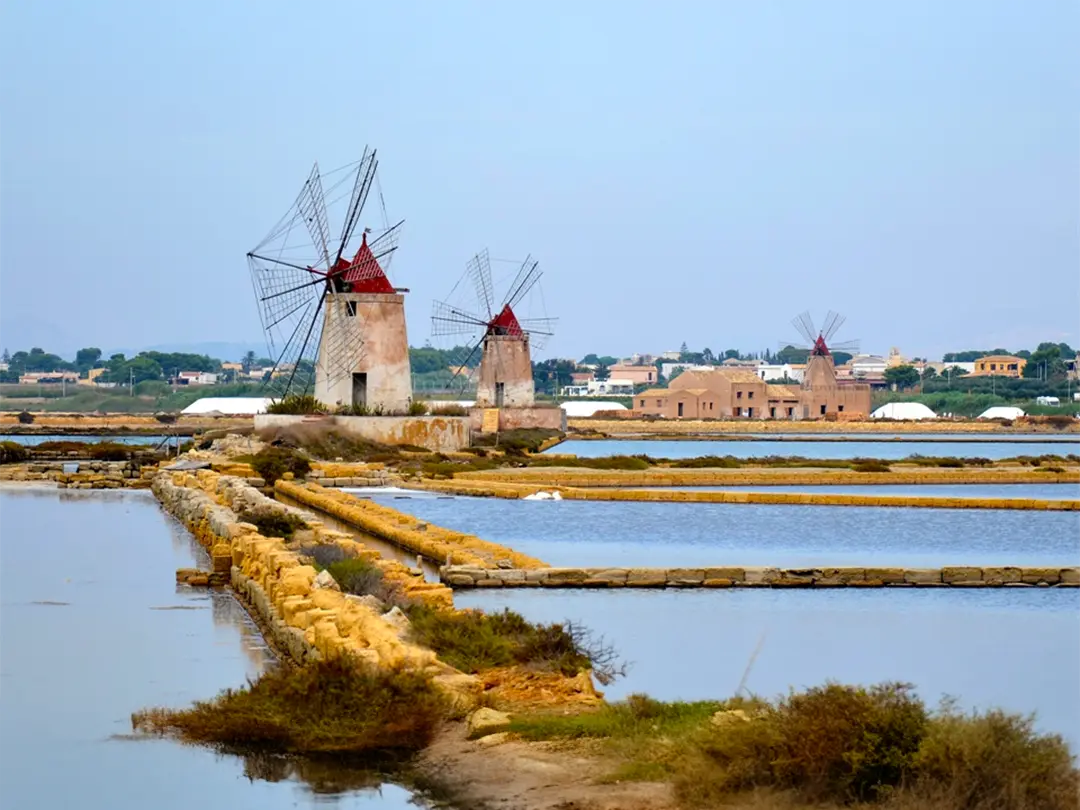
(350, 309)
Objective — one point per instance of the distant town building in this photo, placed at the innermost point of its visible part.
(196, 378)
(91, 376)
(780, 371)
(999, 365)
(642, 375)
(599, 388)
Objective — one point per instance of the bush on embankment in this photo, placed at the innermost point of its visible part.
(330, 707)
(13, 453)
(520, 440)
(828, 746)
(271, 463)
(272, 522)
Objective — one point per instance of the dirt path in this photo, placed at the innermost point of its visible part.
(517, 775)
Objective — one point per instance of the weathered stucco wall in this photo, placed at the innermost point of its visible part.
(505, 361)
(741, 577)
(518, 418)
(439, 434)
(372, 340)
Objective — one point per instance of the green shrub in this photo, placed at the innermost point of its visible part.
(473, 641)
(994, 760)
(271, 463)
(357, 575)
(869, 465)
(25, 418)
(111, 451)
(417, 408)
(450, 409)
(13, 453)
(272, 522)
(298, 404)
(331, 707)
(527, 440)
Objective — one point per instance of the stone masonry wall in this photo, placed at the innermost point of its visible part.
(743, 577)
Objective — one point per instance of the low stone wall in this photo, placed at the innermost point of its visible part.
(432, 542)
(742, 577)
(517, 491)
(90, 474)
(439, 434)
(553, 418)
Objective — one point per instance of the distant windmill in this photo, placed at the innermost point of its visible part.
(495, 331)
(820, 370)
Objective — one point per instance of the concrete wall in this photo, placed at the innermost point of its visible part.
(439, 434)
(515, 418)
(373, 341)
(741, 577)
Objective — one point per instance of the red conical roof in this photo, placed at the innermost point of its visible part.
(505, 323)
(363, 274)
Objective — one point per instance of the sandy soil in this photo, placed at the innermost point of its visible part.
(517, 775)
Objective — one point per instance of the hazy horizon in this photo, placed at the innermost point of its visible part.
(691, 172)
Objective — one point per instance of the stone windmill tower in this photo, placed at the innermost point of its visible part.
(504, 341)
(333, 320)
(820, 374)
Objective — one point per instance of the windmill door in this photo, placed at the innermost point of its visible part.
(359, 389)
(500, 394)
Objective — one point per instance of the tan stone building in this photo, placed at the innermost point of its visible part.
(725, 393)
(999, 365)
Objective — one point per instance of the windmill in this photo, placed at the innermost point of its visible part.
(820, 370)
(334, 323)
(502, 339)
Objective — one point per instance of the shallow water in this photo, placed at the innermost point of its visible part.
(92, 628)
(1049, 492)
(890, 451)
(38, 438)
(1014, 648)
(914, 437)
(609, 533)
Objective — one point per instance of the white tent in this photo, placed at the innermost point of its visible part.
(228, 406)
(1002, 412)
(578, 409)
(903, 410)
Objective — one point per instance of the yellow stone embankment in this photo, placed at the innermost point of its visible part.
(690, 426)
(433, 542)
(517, 491)
(704, 477)
(305, 619)
(142, 423)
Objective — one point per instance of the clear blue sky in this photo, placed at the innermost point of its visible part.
(683, 170)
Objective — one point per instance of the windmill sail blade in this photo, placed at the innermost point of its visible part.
(479, 270)
(846, 346)
(449, 320)
(833, 321)
(804, 324)
(526, 278)
(539, 326)
(312, 205)
(365, 174)
(797, 345)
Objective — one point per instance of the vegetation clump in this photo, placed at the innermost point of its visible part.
(271, 463)
(417, 408)
(25, 418)
(13, 453)
(271, 522)
(831, 745)
(524, 440)
(450, 409)
(298, 404)
(473, 641)
(334, 706)
(870, 465)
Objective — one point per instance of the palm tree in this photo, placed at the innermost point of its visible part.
(247, 362)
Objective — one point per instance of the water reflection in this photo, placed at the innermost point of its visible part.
(121, 636)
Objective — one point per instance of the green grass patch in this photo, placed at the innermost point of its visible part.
(602, 463)
(330, 707)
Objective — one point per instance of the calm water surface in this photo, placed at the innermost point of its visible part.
(92, 628)
(811, 449)
(598, 533)
(1049, 492)
(1014, 648)
(38, 438)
